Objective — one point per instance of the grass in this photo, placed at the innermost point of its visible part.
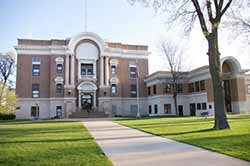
(48, 144)
(199, 132)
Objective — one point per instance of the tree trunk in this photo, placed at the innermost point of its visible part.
(215, 71)
(175, 104)
(175, 97)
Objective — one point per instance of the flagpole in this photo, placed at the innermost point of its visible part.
(85, 16)
(138, 90)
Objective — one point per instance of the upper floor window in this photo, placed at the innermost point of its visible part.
(179, 88)
(202, 85)
(167, 108)
(59, 68)
(113, 89)
(35, 90)
(149, 91)
(167, 88)
(133, 71)
(87, 69)
(197, 86)
(36, 60)
(59, 89)
(133, 90)
(113, 69)
(191, 87)
(35, 70)
(154, 90)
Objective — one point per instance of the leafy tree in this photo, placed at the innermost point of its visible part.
(210, 14)
(7, 68)
(9, 100)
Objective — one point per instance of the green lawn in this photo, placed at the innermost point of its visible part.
(196, 131)
(48, 143)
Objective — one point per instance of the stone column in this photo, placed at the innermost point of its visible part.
(107, 71)
(72, 70)
(101, 71)
(94, 99)
(94, 69)
(67, 70)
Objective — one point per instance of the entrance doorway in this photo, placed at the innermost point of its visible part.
(87, 101)
(228, 101)
(192, 109)
(180, 110)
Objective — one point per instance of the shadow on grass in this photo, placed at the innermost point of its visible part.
(47, 141)
(187, 132)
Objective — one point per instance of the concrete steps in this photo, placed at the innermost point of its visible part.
(85, 114)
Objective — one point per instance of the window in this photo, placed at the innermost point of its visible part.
(150, 109)
(197, 86)
(210, 107)
(86, 69)
(191, 87)
(167, 108)
(59, 68)
(156, 109)
(199, 106)
(35, 91)
(36, 60)
(154, 90)
(59, 89)
(204, 106)
(133, 90)
(34, 112)
(149, 91)
(35, 70)
(167, 88)
(113, 69)
(179, 88)
(202, 85)
(248, 89)
(132, 72)
(113, 88)
(59, 111)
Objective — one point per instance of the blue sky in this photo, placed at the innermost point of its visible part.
(113, 20)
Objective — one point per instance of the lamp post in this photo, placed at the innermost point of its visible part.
(138, 91)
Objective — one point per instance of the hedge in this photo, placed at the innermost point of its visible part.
(7, 116)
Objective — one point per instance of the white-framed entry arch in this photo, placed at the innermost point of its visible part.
(86, 89)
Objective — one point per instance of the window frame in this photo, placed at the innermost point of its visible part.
(133, 74)
(36, 71)
(61, 90)
(35, 90)
(167, 109)
(133, 90)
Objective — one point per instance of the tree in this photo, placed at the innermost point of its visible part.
(9, 100)
(239, 22)
(209, 14)
(173, 54)
(7, 67)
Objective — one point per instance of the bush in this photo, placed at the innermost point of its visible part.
(7, 116)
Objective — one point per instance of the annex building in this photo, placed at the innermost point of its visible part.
(85, 76)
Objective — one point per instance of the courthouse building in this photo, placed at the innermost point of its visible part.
(84, 75)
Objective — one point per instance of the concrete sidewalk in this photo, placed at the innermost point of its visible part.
(129, 147)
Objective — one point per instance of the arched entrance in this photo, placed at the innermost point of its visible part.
(87, 95)
(230, 67)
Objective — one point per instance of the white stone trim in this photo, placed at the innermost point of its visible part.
(107, 71)
(72, 70)
(59, 80)
(59, 60)
(67, 71)
(102, 71)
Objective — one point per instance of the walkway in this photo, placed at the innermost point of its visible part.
(129, 147)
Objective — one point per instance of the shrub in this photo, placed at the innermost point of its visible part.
(7, 116)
